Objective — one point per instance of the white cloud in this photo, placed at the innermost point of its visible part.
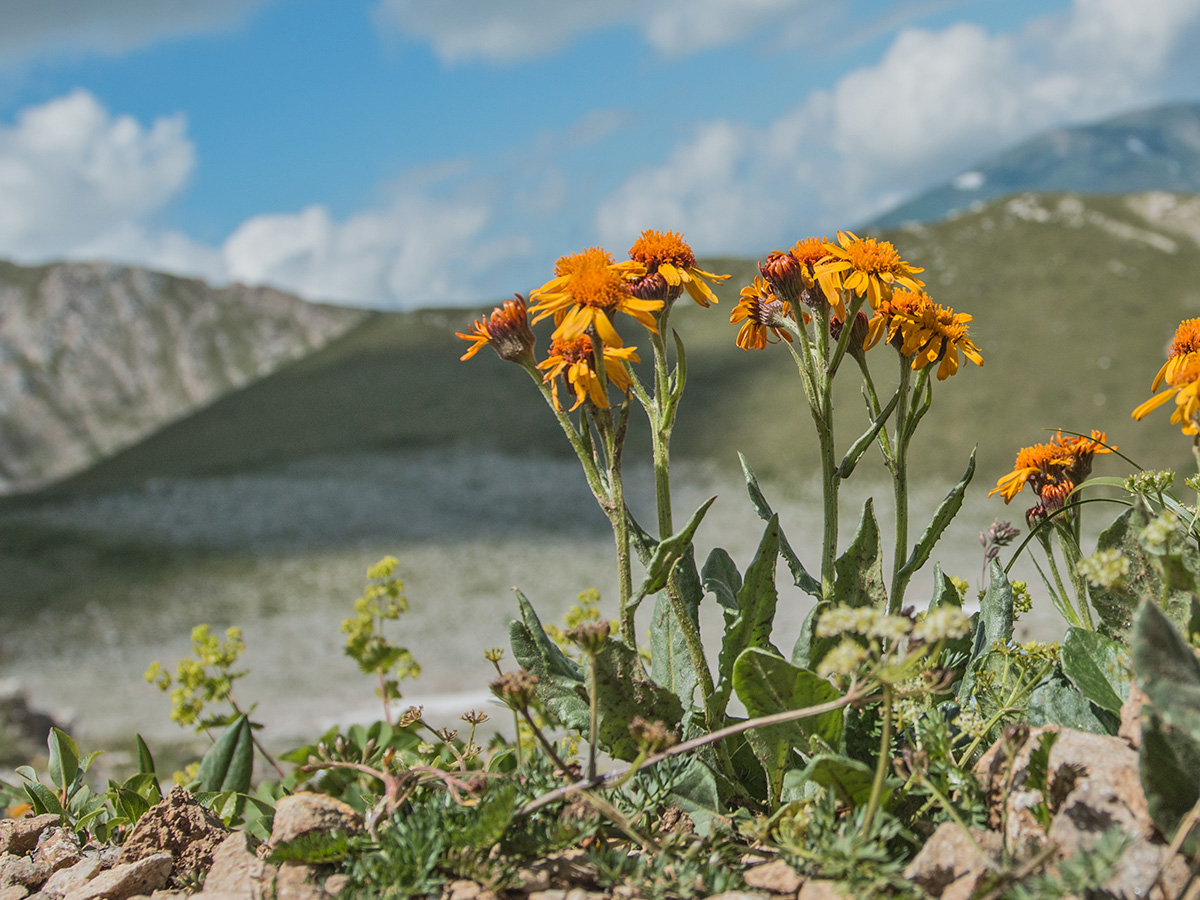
(36, 28)
(937, 101)
(505, 32)
(71, 173)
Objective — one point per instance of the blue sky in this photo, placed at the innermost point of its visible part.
(406, 153)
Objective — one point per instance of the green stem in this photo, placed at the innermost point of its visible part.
(900, 487)
(593, 715)
(823, 417)
(661, 413)
(885, 444)
(1065, 606)
(882, 764)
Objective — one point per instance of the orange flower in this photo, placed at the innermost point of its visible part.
(507, 330)
(926, 331)
(790, 273)
(667, 254)
(588, 290)
(763, 314)
(865, 266)
(575, 360)
(1053, 469)
(1181, 372)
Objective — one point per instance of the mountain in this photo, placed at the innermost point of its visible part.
(1153, 149)
(1074, 299)
(95, 357)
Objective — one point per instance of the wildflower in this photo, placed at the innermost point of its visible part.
(1156, 536)
(865, 266)
(587, 292)
(575, 359)
(1181, 372)
(763, 314)
(944, 622)
(515, 689)
(860, 331)
(1053, 469)
(1104, 568)
(666, 254)
(1149, 482)
(651, 737)
(590, 638)
(844, 660)
(507, 330)
(924, 330)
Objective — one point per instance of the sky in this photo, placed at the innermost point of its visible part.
(415, 153)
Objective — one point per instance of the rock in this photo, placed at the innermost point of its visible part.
(308, 813)
(297, 881)
(23, 730)
(777, 876)
(236, 870)
(24, 871)
(335, 884)
(180, 826)
(741, 895)
(13, 892)
(64, 881)
(950, 859)
(1094, 785)
(1131, 716)
(820, 889)
(124, 880)
(57, 848)
(19, 836)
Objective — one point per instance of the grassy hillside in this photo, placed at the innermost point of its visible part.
(1074, 300)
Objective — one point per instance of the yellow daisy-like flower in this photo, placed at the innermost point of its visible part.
(1052, 469)
(575, 360)
(667, 254)
(1181, 372)
(763, 314)
(865, 266)
(926, 331)
(588, 291)
(507, 330)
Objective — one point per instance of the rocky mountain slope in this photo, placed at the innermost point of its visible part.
(94, 357)
(1153, 149)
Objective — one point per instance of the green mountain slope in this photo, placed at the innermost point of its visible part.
(1074, 299)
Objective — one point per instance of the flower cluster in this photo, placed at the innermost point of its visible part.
(925, 331)
(587, 293)
(1053, 470)
(1181, 373)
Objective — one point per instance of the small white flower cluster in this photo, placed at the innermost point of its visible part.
(1104, 568)
(1149, 482)
(843, 660)
(944, 622)
(970, 722)
(864, 620)
(1156, 536)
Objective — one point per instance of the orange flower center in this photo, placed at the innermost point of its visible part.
(599, 287)
(1187, 338)
(574, 350)
(872, 256)
(810, 251)
(656, 247)
(592, 256)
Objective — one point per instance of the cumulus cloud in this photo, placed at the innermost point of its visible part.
(49, 27)
(936, 101)
(505, 32)
(70, 173)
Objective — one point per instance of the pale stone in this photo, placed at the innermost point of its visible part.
(236, 869)
(820, 889)
(306, 813)
(19, 836)
(66, 880)
(181, 826)
(127, 879)
(949, 856)
(13, 892)
(777, 876)
(1131, 716)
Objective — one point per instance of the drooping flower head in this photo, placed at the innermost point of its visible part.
(925, 331)
(574, 359)
(790, 272)
(588, 290)
(506, 329)
(1181, 372)
(1053, 469)
(762, 313)
(860, 332)
(670, 268)
(865, 266)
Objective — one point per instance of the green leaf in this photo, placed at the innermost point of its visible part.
(228, 764)
(64, 758)
(848, 778)
(860, 569)
(800, 575)
(768, 684)
(721, 578)
(946, 512)
(43, 799)
(694, 790)
(1098, 667)
(1167, 670)
(750, 625)
(1056, 702)
(670, 662)
(623, 691)
(145, 760)
(131, 804)
(854, 454)
(668, 553)
(488, 821)
(1169, 762)
(1116, 605)
(809, 649)
(995, 626)
(561, 684)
